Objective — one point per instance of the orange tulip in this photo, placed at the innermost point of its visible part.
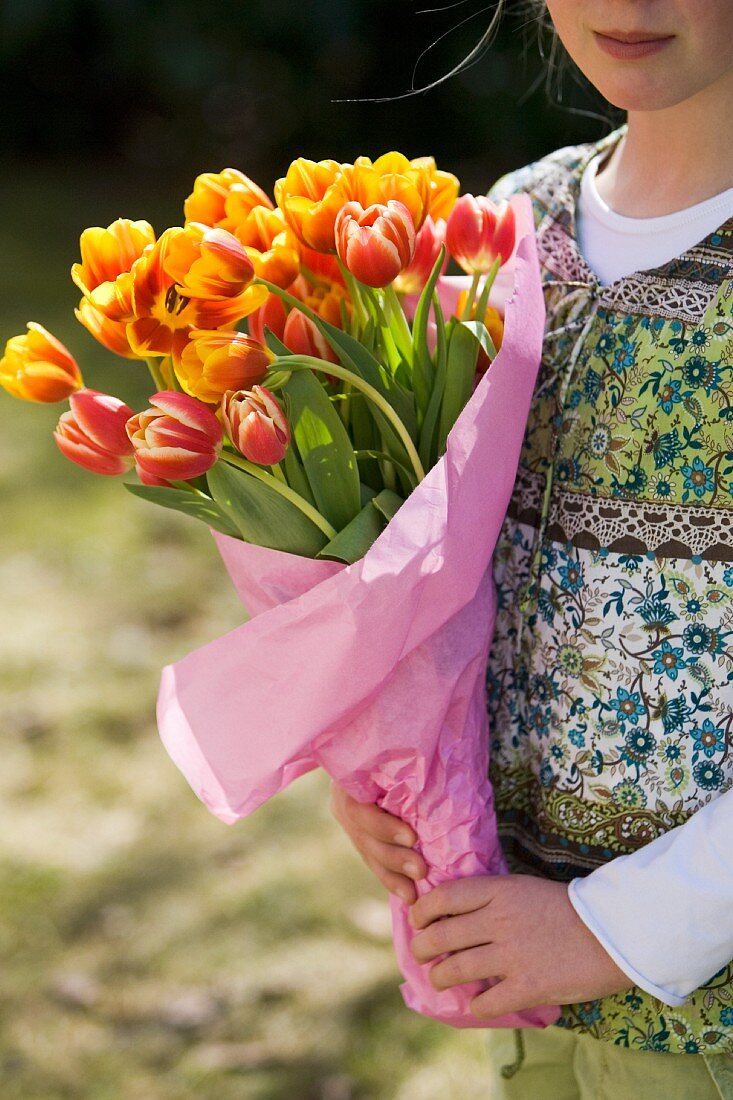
(223, 199)
(428, 244)
(110, 334)
(206, 263)
(256, 425)
(377, 243)
(442, 187)
(107, 253)
(93, 433)
(38, 367)
(164, 307)
(310, 196)
(270, 244)
(216, 361)
(390, 176)
(479, 231)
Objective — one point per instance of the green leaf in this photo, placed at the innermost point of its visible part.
(191, 504)
(388, 503)
(461, 370)
(275, 344)
(261, 515)
(353, 542)
(482, 335)
(366, 493)
(292, 467)
(427, 449)
(423, 370)
(325, 449)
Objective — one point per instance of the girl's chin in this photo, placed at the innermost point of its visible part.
(639, 91)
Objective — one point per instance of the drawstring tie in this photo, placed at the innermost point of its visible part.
(577, 299)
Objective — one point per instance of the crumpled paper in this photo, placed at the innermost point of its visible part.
(375, 671)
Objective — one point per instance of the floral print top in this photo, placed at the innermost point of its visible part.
(610, 680)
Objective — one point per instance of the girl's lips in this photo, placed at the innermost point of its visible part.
(630, 51)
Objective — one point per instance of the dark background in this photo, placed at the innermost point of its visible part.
(164, 89)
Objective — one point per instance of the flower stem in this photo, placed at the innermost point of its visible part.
(486, 288)
(398, 322)
(156, 373)
(281, 487)
(471, 297)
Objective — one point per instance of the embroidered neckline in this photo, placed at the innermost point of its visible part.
(715, 248)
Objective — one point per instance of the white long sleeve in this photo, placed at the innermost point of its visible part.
(665, 913)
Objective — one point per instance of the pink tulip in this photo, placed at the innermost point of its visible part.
(377, 243)
(302, 337)
(92, 433)
(427, 246)
(271, 315)
(175, 440)
(478, 231)
(256, 425)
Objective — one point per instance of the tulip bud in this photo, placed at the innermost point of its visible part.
(271, 314)
(377, 243)
(175, 440)
(479, 231)
(92, 433)
(302, 337)
(38, 367)
(428, 244)
(256, 425)
(215, 361)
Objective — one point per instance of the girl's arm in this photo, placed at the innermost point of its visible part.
(663, 914)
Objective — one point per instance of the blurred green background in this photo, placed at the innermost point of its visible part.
(148, 951)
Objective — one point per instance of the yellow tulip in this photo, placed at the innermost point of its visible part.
(271, 245)
(107, 253)
(310, 196)
(443, 187)
(223, 198)
(216, 361)
(38, 367)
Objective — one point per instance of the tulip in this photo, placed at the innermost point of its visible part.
(175, 440)
(479, 232)
(165, 307)
(93, 433)
(270, 244)
(223, 198)
(310, 196)
(108, 253)
(206, 263)
(442, 187)
(428, 244)
(390, 176)
(110, 334)
(218, 360)
(38, 367)
(256, 425)
(377, 243)
(272, 315)
(302, 337)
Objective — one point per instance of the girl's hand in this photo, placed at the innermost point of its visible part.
(382, 840)
(519, 929)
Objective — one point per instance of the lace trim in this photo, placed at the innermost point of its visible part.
(678, 298)
(625, 526)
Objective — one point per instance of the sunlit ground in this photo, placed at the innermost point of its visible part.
(150, 952)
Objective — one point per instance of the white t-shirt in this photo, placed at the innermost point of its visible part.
(614, 245)
(663, 913)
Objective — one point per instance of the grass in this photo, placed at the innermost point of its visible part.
(150, 952)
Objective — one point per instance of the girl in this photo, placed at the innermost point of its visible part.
(610, 682)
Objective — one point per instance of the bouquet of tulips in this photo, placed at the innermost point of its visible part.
(347, 419)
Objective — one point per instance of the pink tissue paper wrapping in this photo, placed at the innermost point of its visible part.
(375, 671)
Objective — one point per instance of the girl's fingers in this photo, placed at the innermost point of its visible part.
(476, 964)
(396, 884)
(392, 857)
(453, 934)
(370, 818)
(381, 825)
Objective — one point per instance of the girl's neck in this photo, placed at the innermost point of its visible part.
(672, 158)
